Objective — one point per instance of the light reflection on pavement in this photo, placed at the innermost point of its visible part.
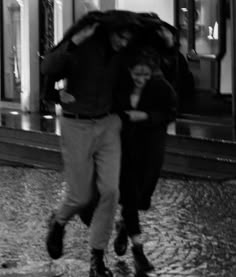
(189, 231)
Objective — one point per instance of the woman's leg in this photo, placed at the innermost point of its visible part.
(131, 225)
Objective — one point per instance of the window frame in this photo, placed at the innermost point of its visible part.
(1, 52)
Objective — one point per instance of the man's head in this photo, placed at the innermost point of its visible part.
(122, 27)
(119, 39)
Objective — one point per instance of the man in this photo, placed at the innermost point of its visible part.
(89, 61)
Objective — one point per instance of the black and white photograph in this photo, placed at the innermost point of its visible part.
(117, 138)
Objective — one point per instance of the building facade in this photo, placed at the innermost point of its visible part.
(29, 28)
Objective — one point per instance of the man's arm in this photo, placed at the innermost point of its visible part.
(54, 68)
(55, 63)
(49, 93)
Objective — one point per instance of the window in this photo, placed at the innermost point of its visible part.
(11, 51)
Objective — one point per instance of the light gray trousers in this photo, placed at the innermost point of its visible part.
(91, 152)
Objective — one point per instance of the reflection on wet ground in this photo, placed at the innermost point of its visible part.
(219, 128)
(210, 130)
(189, 231)
(30, 121)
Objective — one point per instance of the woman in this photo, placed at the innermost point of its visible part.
(148, 104)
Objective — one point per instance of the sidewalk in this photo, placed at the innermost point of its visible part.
(189, 231)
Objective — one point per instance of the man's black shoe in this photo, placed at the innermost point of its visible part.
(55, 238)
(121, 240)
(142, 265)
(98, 268)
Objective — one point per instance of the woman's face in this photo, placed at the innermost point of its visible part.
(140, 75)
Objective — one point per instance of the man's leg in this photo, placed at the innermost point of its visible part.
(107, 160)
(77, 149)
(77, 143)
(107, 163)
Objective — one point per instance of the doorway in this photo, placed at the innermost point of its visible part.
(203, 41)
(10, 95)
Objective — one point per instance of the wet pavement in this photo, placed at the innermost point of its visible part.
(189, 231)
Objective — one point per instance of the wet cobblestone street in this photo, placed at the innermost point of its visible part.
(189, 231)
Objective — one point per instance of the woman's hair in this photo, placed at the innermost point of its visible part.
(143, 55)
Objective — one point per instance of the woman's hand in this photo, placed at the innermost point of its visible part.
(84, 34)
(66, 97)
(136, 115)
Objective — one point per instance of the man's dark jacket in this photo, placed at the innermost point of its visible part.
(91, 67)
(90, 70)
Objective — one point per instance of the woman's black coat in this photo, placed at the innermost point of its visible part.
(143, 143)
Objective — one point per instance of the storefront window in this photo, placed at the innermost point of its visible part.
(11, 58)
(202, 27)
(207, 27)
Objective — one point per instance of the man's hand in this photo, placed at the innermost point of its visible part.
(66, 97)
(83, 34)
(137, 115)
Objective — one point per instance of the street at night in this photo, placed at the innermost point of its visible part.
(189, 231)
